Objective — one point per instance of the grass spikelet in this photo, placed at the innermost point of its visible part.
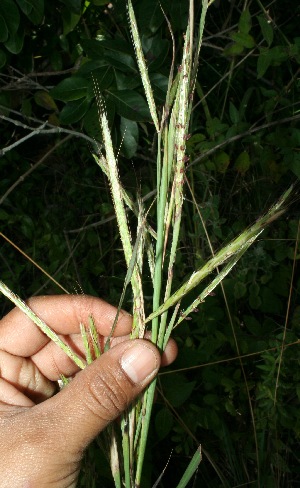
(41, 324)
(142, 65)
(117, 197)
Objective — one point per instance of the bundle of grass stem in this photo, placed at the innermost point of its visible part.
(172, 127)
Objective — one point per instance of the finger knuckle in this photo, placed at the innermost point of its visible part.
(108, 396)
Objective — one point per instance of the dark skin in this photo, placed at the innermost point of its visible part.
(43, 435)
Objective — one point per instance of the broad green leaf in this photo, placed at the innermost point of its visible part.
(245, 22)
(10, 12)
(73, 111)
(93, 49)
(44, 99)
(130, 104)
(123, 62)
(3, 29)
(253, 325)
(37, 12)
(72, 88)
(129, 137)
(178, 11)
(116, 45)
(222, 161)
(70, 20)
(295, 164)
(233, 49)
(15, 43)
(159, 85)
(26, 107)
(243, 39)
(177, 396)
(151, 16)
(99, 2)
(157, 54)
(240, 290)
(25, 6)
(163, 423)
(73, 5)
(56, 60)
(91, 123)
(125, 81)
(242, 163)
(90, 66)
(266, 29)
(4, 215)
(234, 113)
(104, 77)
(279, 54)
(263, 62)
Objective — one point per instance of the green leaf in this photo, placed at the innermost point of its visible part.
(240, 290)
(234, 113)
(159, 85)
(123, 62)
(177, 396)
(91, 122)
(163, 423)
(99, 2)
(279, 54)
(263, 62)
(191, 469)
(295, 164)
(73, 111)
(15, 43)
(222, 161)
(4, 215)
(178, 10)
(104, 77)
(157, 54)
(150, 16)
(73, 5)
(72, 88)
(130, 135)
(25, 6)
(44, 99)
(130, 104)
(93, 49)
(116, 45)
(252, 325)
(37, 11)
(245, 22)
(242, 163)
(70, 20)
(10, 12)
(3, 29)
(243, 39)
(266, 29)
(233, 49)
(124, 81)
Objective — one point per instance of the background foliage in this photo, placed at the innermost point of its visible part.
(243, 149)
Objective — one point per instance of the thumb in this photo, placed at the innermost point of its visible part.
(101, 392)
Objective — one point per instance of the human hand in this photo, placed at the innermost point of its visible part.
(43, 437)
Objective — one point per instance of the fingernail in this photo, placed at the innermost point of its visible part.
(139, 362)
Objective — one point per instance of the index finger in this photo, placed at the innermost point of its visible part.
(63, 313)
